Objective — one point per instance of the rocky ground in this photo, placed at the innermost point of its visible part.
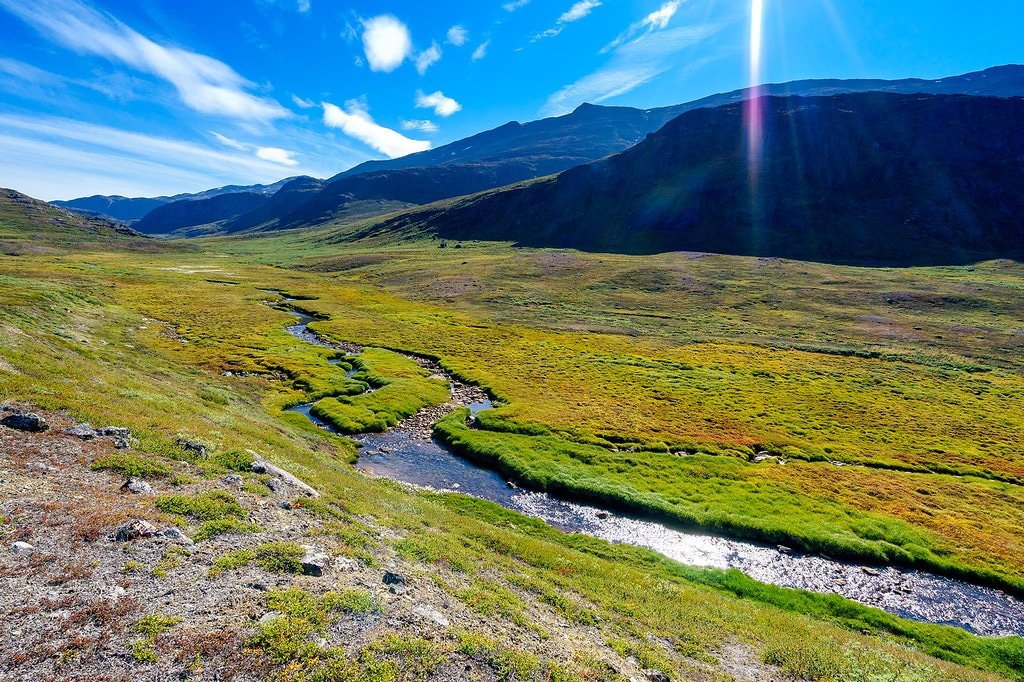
(90, 592)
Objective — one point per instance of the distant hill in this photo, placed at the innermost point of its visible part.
(128, 209)
(866, 178)
(510, 153)
(28, 226)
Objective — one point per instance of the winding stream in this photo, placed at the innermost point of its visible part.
(409, 454)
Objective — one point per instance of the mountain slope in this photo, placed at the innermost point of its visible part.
(856, 178)
(127, 209)
(28, 225)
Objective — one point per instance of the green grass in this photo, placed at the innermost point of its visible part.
(213, 505)
(639, 358)
(128, 464)
(215, 527)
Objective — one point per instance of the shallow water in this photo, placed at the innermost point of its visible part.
(406, 455)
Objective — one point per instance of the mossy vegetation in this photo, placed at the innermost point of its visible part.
(130, 464)
(591, 358)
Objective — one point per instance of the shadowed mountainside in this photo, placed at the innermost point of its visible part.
(858, 178)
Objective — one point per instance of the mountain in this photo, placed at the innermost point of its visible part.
(865, 178)
(128, 209)
(29, 226)
(187, 213)
(510, 153)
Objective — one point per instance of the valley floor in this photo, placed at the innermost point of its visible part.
(675, 384)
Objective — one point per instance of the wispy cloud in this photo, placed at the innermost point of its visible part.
(279, 156)
(629, 67)
(386, 42)
(428, 57)
(655, 21)
(442, 105)
(578, 11)
(303, 103)
(428, 127)
(229, 142)
(481, 51)
(457, 36)
(357, 123)
(513, 5)
(204, 84)
(304, 6)
(55, 157)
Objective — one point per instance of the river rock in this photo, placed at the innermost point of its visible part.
(137, 486)
(869, 571)
(21, 547)
(83, 431)
(134, 530)
(315, 561)
(25, 422)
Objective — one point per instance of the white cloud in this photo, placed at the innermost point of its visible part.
(53, 157)
(513, 5)
(578, 11)
(655, 21)
(457, 36)
(428, 57)
(631, 66)
(356, 123)
(275, 155)
(428, 127)
(386, 42)
(303, 103)
(304, 6)
(481, 51)
(442, 106)
(229, 142)
(204, 84)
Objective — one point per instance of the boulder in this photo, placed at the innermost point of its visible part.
(137, 486)
(25, 422)
(83, 431)
(134, 530)
(262, 466)
(176, 535)
(391, 578)
(20, 547)
(195, 447)
(115, 432)
(314, 561)
(122, 443)
(432, 615)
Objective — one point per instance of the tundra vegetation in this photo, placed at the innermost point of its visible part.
(892, 396)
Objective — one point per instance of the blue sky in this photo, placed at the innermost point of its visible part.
(149, 97)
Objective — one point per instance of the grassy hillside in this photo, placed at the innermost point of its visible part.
(600, 351)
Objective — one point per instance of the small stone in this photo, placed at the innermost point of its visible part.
(83, 431)
(784, 549)
(511, 485)
(315, 561)
(269, 617)
(869, 571)
(399, 589)
(656, 676)
(346, 564)
(274, 484)
(25, 422)
(602, 515)
(122, 443)
(20, 547)
(231, 480)
(115, 432)
(391, 578)
(431, 614)
(176, 535)
(137, 486)
(39, 466)
(133, 530)
(195, 447)
(284, 504)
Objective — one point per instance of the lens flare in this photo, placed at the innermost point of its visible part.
(754, 114)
